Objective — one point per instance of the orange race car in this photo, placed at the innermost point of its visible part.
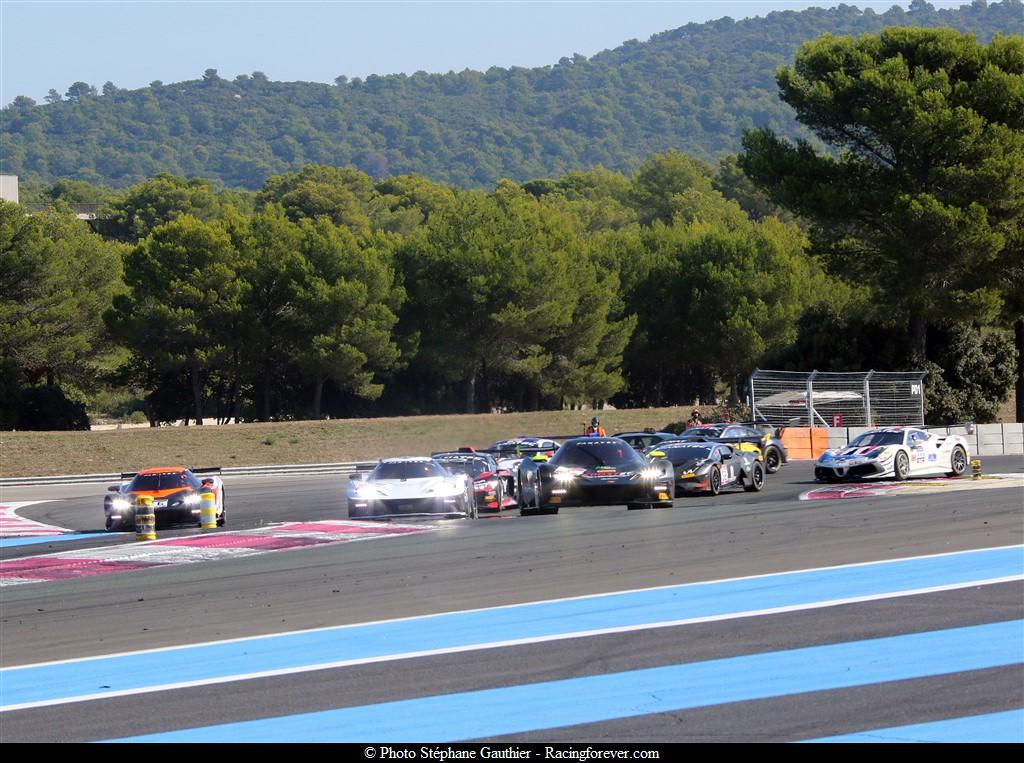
(175, 491)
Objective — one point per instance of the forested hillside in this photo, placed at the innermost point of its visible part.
(328, 293)
(692, 89)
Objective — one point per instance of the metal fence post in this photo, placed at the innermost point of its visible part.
(867, 398)
(810, 398)
(753, 396)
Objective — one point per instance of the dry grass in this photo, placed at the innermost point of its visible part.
(24, 454)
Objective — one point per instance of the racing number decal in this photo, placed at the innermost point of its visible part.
(727, 474)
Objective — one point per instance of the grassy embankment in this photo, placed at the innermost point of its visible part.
(25, 454)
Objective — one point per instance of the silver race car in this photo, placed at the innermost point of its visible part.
(410, 487)
(895, 452)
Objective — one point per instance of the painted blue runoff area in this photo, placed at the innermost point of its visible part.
(995, 727)
(34, 540)
(19, 685)
(569, 702)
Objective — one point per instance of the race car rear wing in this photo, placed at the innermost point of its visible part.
(512, 450)
(203, 470)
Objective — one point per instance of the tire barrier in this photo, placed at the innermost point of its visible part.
(145, 518)
(208, 511)
(976, 469)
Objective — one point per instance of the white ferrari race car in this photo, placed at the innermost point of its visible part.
(410, 486)
(895, 452)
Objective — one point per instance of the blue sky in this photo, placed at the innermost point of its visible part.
(46, 44)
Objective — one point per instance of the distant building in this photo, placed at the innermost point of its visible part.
(9, 188)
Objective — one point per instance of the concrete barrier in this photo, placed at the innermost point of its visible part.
(837, 437)
(1013, 439)
(990, 439)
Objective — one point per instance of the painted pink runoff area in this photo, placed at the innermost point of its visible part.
(361, 528)
(57, 568)
(195, 548)
(12, 525)
(226, 540)
(849, 491)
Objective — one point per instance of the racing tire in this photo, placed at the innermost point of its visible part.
(772, 459)
(715, 481)
(901, 466)
(638, 506)
(957, 462)
(525, 510)
(756, 482)
(223, 518)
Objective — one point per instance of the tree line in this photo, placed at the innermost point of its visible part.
(693, 89)
(327, 292)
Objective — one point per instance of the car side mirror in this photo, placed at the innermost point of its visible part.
(355, 476)
(114, 489)
(657, 454)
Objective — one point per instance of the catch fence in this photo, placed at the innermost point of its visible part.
(819, 398)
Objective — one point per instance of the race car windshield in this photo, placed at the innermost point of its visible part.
(877, 438)
(408, 470)
(159, 481)
(685, 452)
(599, 453)
(472, 467)
(697, 432)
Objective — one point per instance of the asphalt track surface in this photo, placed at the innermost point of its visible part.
(578, 683)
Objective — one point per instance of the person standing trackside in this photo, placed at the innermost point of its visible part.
(694, 420)
(595, 429)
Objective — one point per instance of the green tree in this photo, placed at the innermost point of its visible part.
(489, 286)
(924, 197)
(661, 178)
(338, 193)
(56, 279)
(712, 298)
(275, 272)
(349, 305)
(183, 303)
(162, 199)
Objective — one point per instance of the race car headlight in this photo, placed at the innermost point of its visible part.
(191, 500)
(650, 473)
(365, 489)
(120, 504)
(564, 475)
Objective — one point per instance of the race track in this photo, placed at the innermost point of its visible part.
(921, 648)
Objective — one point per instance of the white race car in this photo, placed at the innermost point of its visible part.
(410, 486)
(896, 452)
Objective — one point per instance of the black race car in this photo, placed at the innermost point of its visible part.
(709, 467)
(743, 437)
(489, 482)
(594, 471)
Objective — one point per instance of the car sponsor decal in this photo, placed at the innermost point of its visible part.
(195, 548)
(879, 489)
